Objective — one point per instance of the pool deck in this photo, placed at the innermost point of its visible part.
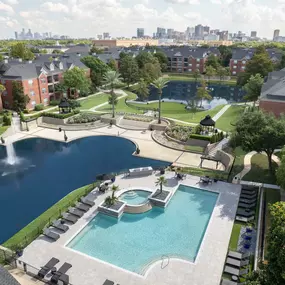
(206, 270)
(148, 147)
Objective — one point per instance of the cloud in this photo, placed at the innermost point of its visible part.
(31, 14)
(193, 2)
(6, 8)
(193, 16)
(218, 2)
(8, 22)
(12, 2)
(55, 7)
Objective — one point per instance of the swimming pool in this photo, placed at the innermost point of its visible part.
(136, 240)
(135, 197)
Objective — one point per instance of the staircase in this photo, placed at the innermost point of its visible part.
(219, 146)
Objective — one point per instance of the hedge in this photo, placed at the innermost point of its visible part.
(200, 137)
(60, 116)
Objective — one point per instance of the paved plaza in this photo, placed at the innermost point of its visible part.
(89, 271)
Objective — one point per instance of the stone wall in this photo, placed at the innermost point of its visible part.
(225, 158)
(53, 121)
(196, 142)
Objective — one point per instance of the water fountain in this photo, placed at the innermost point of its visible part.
(11, 154)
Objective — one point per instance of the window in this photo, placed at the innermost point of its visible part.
(6, 103)
(198, 65)
(185, 59)
(235, 61)
(33, 103)
(44, 90)
(60, 66)
(244, 62)
(51, 67)
(198, 59)
(190, 64)
(43, 80)
(190, 69)
(243, 67)
(32, 93)
(45, 101)
(234, 72)
(3, 81)
(234, 66)
(179, 59)
(30, 82)
(4, 93)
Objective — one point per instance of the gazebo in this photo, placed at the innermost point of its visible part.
(208, 123)
(64, 106)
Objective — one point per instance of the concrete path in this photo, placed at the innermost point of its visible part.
(179, 121)
(221, 112)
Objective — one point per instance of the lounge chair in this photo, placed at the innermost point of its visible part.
(236, 262)
(247, 196)
(248, 230)
(46, 268)
(69, 217)
(247, 238)
(108, 282)
(235, 271)
(244, 219)
(235, 254)
(248, 192)
(247, 246)
(86, 201)
(58, 224)
(48, 233)
(244, 205)
(249, 187)
(244, 213)
(62, 270)
(205, 180)
(75, 212)
(82, 207)
(247, 201)
(228, 282)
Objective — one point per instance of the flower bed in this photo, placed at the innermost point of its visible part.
(181, 133)
(139, 119)
(83, 118)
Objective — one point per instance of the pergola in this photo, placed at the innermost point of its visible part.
(64, 106)
(208, 123)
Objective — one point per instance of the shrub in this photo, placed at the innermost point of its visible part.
(83, 118)
(200, 137)
(26, 111)
(74, 104)
(39, 107)
(6, 120)
(54, 102)
(60, 116)
(181, 133)
(138, 118)
(198, 129)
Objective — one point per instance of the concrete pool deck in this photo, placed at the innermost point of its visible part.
(148, 147)
(207, 269)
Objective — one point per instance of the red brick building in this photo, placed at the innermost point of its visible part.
(38, 77)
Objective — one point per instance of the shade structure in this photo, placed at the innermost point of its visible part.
(208, 122)
(64, 106)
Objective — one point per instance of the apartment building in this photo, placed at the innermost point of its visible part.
(125, 43)
(38, 78)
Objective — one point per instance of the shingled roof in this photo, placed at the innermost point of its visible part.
(6, 278)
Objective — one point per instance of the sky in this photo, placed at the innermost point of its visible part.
(88, 18)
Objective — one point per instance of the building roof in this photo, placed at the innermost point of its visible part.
(186, 52)
(6, 278)
(239, 54)
(81, 48)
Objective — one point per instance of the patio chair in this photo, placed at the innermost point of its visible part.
(235, 254)
(236, 262)
(70, 218)
(247, 196)
(247, 201)
(62, 270)
(248, 230)
(52, 235)
(244, 219)
(247, 238)
(205, 180)
(82, 207)
(86, 201)
(46, 268)
(228, 282)
(235, 271)
(75, 212)
(59, 225)
(246, 246)
(246, 206)
(250, 187)
(244, 213)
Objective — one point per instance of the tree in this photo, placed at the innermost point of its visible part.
(192, 106)
(226, 55)
(161, 181)
(210, 71)
(282, 62)
(98, 69)
(143, 58)
(95, 50)
(196, 76)
(20, 100)
(60, 88)
(129, 69)
(222, 72)
(159, 84)
(21, 51)
(111, 78)
(280, 173)
(112, 64)
(75, 79)
(260, 132)
(203, 93)
(1, 57)
(212, 61)
(163, 61)
(142, 89)
(253, 88)
(150, 71)
(111, 200)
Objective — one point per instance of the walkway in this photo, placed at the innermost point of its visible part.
(221, 113)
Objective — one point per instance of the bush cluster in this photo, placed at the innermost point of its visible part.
(200, 137)
(61, 116)
(83, 118)
(54, 102)
(181, 133)
(6, 120)
(26, 111)
(39, 107)
(217, 137)
(138, 118)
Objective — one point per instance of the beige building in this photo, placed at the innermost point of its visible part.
(210, 43)
(125, 43)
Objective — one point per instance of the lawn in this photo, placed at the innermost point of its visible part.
(227, 121)
(235, 236)
(259, 170)
(93, 101)
(194, 148)
(3, 129)
(34, 229)
(204, 172)
(271, 196)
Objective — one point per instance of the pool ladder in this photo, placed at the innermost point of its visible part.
(163, 258)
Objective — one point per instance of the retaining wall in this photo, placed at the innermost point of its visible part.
(225, 158)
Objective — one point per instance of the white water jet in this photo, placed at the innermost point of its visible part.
(11, 154)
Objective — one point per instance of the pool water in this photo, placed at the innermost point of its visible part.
(136, 240)
(50, 170)
(135, 197)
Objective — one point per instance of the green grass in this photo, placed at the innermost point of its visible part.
(194, 148)
(3, 129)
(173, 77)
(235, 236)
(271, 196)
(34, 229)
(93, 101)
(227, 121)
(238, 166)
(203, 172)
(259, 170)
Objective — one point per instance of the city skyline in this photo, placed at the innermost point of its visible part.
(122, 17)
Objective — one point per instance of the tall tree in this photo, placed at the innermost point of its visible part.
(143, 58)
(203, 92)
(253, 88)
(95, 50)
(282, 62)
(260, 132)
(98, 69)
(150, 71)
(75, 79)
(111, 78)
(222, 72)
(142, 89)
(159, 84)
(20, 100)
(213, 61)
(210, 71)
(226, 55)
(21, 51)
(112, 64)
(163, 61)
(129, 69)
(196, 76)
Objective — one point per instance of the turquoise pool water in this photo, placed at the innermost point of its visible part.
(135, 197)
(136, 240)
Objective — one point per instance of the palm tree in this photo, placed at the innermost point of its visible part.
(111, 200)
(142, 89)
(111, 78)
(160, 182)
(159, 84)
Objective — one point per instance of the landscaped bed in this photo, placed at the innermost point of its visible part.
(138, 118)
(83, 118)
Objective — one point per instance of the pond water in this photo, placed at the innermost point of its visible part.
(49, 170)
